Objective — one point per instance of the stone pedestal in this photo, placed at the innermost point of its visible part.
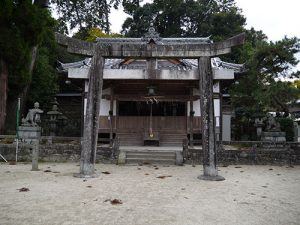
(273, 136)
(31, 135)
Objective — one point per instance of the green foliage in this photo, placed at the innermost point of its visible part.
(22, 26)
(260, 89)
(296, 84)
(95, 32)
(85, 14)
(44, 83)
(176, 18)
(287, 126)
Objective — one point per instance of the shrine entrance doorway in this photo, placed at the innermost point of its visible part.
(163, 121)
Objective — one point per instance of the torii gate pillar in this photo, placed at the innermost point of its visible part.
(91, 121)
(210, 171)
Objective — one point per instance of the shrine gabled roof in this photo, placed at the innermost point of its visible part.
(153, 37)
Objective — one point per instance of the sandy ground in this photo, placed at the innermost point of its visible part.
(249, 195)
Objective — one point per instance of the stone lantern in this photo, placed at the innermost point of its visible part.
(258, 123)
(54, 118)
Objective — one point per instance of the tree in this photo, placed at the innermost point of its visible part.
(95, 32)
(85, 14)
(44, 83)
(184, 18)
(23, 25)
(264, 86)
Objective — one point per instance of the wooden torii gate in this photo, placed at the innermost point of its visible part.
(149, 50)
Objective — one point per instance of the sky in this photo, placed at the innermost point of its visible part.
(276, 18)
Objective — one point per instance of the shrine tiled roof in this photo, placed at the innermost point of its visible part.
(171, 64)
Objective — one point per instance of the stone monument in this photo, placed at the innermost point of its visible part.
(33, 116)
(273, 132)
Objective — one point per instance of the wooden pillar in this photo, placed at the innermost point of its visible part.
(191, 118)
(91, 123)
(111, 116)
(207, 120)
(83, 95)
(3, 94)
(117, 116)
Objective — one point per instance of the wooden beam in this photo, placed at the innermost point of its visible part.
(155, 74)
(91, 123)
(140, 98)
(210, 171)
(117, 50)
(144, 50)
(76, 46)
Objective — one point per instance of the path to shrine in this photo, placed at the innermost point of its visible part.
(167, 195)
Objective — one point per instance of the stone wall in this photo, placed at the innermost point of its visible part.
(252, 156)
(58, 152)
(50, 152)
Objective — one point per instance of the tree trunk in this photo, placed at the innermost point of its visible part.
(106, 13)
(24, 93)
(3, 94)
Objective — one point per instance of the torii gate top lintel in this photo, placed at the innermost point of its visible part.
(137, 48)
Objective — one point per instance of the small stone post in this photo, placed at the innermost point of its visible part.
(35, 155)
(207, 121)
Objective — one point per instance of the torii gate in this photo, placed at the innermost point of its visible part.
(150, 49)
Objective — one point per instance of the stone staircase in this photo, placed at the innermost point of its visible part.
(171, 139)
(130, 139)
(150, 155)
(137, 139)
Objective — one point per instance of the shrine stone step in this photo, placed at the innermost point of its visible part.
(171, 139)
(146, 157)
(131, 142)
(143, 156)
(170, 144)
(129, 139)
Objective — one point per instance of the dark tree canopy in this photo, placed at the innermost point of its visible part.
(85, 14)
(23, 25)
(176, 18)
(44, 76)
(260, 89)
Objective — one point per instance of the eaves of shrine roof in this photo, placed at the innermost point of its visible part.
(183, 64)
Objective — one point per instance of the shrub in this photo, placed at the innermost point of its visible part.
(287, 126)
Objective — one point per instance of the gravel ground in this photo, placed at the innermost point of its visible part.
(148, 194)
